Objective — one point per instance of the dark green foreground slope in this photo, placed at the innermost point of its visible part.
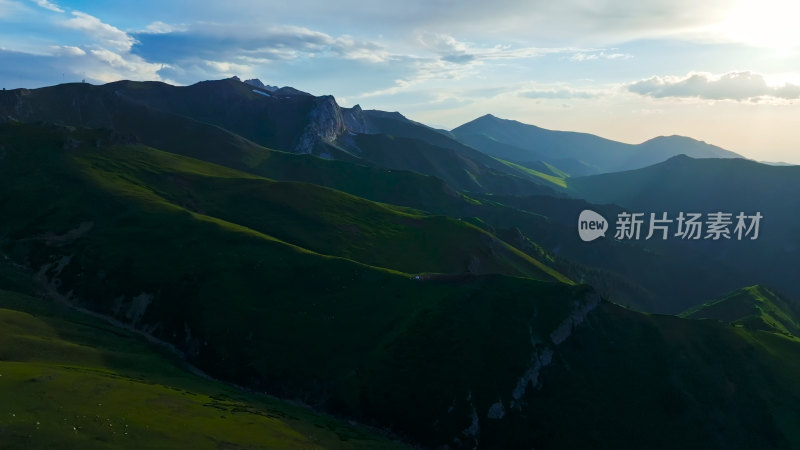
(71, 381)
(628, 380)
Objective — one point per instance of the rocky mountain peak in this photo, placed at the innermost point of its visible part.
(328, 121)
(255, 82)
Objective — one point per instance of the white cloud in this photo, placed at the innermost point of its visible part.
(447, 59)
(107, 35)
(106, 57)
(739, 86)
(594, 55)
(212, 50)
(216, 42)
(117, 67)
(424, 71)
(68, 50)
(159, 27)
(452, 50)
(71, 64)
(228, 69)
(557, 93)
(47, 4)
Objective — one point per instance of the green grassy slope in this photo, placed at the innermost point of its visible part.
(253, 309)
(322, 220)
(459, 171)
(754, 307)
(556, 179)
(69, 380)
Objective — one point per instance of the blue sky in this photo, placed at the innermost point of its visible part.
(727, 72)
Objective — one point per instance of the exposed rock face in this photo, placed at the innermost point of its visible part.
(255, 82)
(579, 313)
(496, 411)
(325, 124)
(356, 121)
(328, 121)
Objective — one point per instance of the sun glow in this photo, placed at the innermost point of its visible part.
(771, 24)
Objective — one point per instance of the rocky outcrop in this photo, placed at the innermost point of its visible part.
(255, 82)
(327, 121)
(543, 354)
(356, 121)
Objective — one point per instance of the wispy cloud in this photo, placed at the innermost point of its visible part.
(105, 34)
(594, 55)
(159, 27)
(442, 57)
(558, 93)
(739, 86)
(67, 50)
(450, 49)
(46, 4)
(161, 42)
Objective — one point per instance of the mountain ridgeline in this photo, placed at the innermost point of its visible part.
(573, 153)
(429, 285)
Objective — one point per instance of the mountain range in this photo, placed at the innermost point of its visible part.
(574, 154)
(391, 284)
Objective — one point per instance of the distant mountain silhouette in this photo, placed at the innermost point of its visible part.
(575, 153)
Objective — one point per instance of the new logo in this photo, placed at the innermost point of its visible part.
(591, 225)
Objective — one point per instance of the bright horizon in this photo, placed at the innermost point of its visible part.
(724, 72)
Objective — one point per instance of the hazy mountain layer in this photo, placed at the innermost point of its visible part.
(575, 154)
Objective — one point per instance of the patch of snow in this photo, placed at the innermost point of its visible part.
(261, 93)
